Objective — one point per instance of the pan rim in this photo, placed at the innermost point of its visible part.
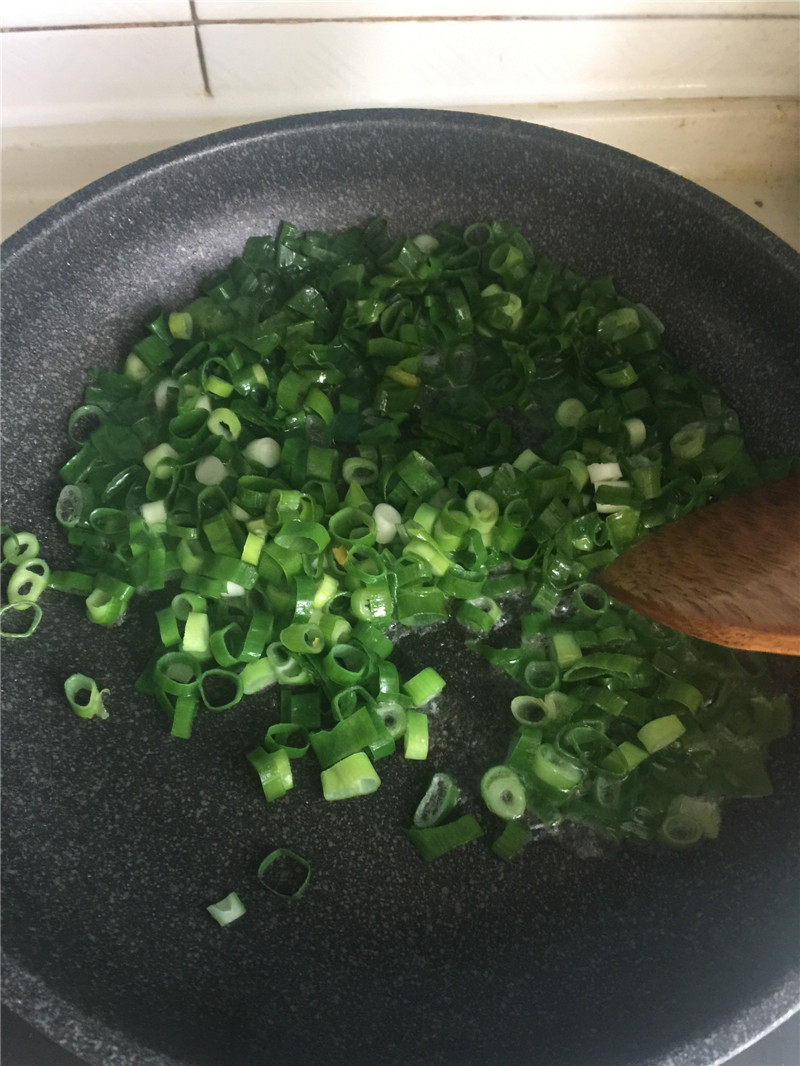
(28, 995)
(724, 212)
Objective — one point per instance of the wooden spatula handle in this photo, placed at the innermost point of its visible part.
(728, 573)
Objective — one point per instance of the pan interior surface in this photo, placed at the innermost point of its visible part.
(116, 836)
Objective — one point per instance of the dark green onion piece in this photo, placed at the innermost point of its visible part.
(284, 873)
(436, 840)
(274, 771)
(514, 837)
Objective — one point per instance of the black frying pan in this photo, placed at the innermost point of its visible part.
(116, 836)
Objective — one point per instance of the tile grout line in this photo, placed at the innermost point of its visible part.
(196, 21)
(201, 56)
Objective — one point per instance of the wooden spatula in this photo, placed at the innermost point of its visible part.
(728, 573)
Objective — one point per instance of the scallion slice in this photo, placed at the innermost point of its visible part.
(84, 696)
(327, 446)
(227, 910)
(285, 874)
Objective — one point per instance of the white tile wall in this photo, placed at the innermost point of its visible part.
(141, 71)
(232, 10)
(571, 51)
(18, 13)
(328, 65)
(85, 75)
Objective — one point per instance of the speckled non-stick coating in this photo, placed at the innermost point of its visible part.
(116, 836)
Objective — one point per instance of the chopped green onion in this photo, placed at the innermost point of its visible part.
(688, 442)
(554, 770)
(570, 412)
(20, 548)
(660, 732)
(303, 474)
(514, 837)
(23, 607)
(416, 735)
(227, 910)
(436, 840)
(424, 686)
(503, 793)
(285, 874)
(84, 697)
(438, 801)
(28, 581)
(274, 771)
(353, 776)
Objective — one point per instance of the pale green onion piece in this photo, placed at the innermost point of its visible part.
(566, 649)
(637, 431)
(135, 368)
(528, 710)
(555, 770)
(239, 513)
(210, 470)
(705, 812)
(325, 592)
(353, 776)
(525, 460)
(483, 511)
(227, 910)
(503, 793)
(265, 451)
(161, 392)
(578, 471)
(683, 692)
(84, 697)
(360, 470)
(28, 581)
(438, 801)
(224, 423)
(154, 513)
(196, 635)
(416, 745)
(424, 686)
(251, 551)
(70, 505)
(387, 521)
(600, 472)
(660, 732)
(179, 324)
(626, 757)
(680, 831)
(19, 548)
(160, 460)
(569, 412)
(394, 717)
(258, 675)
(688, 442)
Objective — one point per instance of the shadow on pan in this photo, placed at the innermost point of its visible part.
(115, 838)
